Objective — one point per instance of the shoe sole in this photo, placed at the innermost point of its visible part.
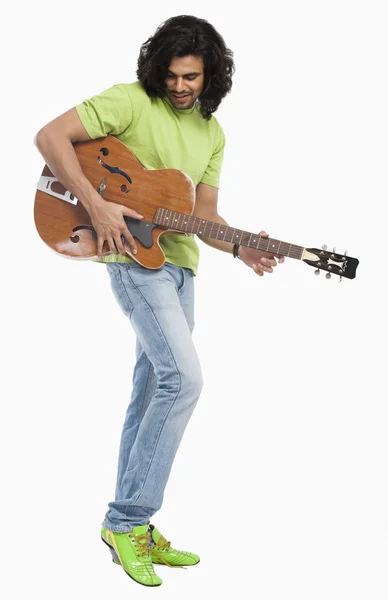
(119, 563)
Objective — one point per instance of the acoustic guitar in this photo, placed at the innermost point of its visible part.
(165, 198)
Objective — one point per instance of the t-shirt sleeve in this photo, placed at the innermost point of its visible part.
(107, 113)
(212, 173)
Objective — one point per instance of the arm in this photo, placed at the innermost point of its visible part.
(206, 201)
(206, 207)
(55, 143)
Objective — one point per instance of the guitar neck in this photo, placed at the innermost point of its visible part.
(217, 231)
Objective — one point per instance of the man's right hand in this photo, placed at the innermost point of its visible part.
(108, 221)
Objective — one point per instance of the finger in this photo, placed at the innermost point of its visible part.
(119, 245)
(100, 243)
(267, 264)
(130, 241)
(258, 270)
(128, 212)
(112, 245)
(263, 234)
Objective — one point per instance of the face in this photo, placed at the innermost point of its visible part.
(185, 80)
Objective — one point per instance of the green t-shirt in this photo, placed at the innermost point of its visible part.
(161, 137)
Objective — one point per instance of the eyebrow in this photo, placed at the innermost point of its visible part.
(185, 75)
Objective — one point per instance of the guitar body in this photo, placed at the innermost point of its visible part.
(65, 225)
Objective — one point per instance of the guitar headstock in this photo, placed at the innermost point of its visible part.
(332, 262)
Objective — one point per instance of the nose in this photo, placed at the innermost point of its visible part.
(179, 84)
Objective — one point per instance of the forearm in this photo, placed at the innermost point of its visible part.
(59, 154)
(218, 244)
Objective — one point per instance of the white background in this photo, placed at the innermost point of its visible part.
(280, 483)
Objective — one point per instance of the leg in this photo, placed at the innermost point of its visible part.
(144, 381)
(153, 300)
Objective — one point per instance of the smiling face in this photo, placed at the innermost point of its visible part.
(185, 80)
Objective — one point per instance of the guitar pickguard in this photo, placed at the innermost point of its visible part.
(141, 230)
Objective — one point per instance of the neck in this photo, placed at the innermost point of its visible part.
(217, 231)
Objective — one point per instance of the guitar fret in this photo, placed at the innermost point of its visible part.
(184, 222)
(230, 229)
(245, 235)
(228, 233)
(284, 249)
(195, 226)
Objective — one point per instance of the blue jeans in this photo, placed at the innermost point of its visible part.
(167, 382)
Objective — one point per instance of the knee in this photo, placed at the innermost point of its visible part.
(192, 384)
(186, 383)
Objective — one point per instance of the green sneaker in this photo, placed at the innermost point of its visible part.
(132, 551)
(162, 553)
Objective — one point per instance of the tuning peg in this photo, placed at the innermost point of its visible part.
(317, 272)
(328, 275)
(324, 247)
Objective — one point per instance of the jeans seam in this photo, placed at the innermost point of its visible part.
(149, 377)
(176, 396)
(181, 290)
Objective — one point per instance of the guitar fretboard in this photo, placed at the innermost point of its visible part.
(217, 231)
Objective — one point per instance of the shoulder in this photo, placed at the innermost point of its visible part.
(217, 131)
(124, 91)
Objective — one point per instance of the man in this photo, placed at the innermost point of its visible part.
(165, 118)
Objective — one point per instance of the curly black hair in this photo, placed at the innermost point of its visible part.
(181, 36)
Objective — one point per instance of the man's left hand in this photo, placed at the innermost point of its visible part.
(261, 262)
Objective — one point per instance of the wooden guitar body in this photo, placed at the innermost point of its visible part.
(64, 224)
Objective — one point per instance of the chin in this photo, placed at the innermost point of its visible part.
(184, 106)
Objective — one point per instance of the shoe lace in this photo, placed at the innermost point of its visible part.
(160, 546)
(142, 542)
